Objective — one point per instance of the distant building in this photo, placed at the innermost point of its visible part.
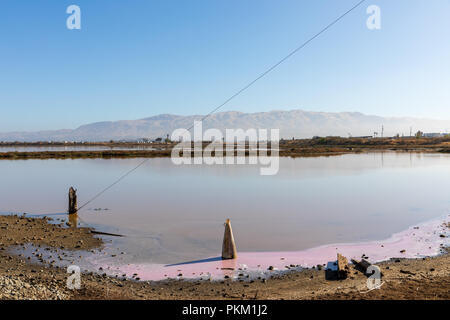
(433, 135)
(143, 140)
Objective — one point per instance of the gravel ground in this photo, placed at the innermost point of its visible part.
(427, 278)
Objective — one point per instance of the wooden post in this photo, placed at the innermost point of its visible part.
(73, 220)
(229, 247)
(73, 205)
(361, 265)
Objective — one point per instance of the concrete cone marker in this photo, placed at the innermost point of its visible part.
(229, 247)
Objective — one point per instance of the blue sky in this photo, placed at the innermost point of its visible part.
(137, 58)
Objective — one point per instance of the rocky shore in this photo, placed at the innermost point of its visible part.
(427, 278)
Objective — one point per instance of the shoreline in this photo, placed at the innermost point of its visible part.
(167, 153)
(308, 283)
(417, 241)
(328, 146)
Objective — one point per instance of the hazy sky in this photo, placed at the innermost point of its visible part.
(137, 58)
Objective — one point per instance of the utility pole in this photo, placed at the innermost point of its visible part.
(382, 131)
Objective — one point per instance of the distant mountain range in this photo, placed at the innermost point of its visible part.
(294, 123)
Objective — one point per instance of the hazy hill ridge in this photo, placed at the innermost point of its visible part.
(294, 123)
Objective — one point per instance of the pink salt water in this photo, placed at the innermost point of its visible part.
(423, 240)
(171, 215)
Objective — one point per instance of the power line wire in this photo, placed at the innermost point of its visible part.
(262, 75)
(304, 44)
(113, 184)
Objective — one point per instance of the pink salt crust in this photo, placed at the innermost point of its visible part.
(418, 241)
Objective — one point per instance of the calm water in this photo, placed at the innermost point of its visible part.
(176, 213)
(71, 148)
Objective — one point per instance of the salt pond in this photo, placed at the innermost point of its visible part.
(171, 215)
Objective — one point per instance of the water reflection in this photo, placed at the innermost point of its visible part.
(73, 220)
(170, 214)
(71, 148)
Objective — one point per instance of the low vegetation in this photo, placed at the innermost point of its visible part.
(290, 148)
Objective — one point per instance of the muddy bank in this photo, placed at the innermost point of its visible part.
(19, 230)
(427, 278)
(289, 152)
(420, 240)
(85, 154)
(325, 146)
